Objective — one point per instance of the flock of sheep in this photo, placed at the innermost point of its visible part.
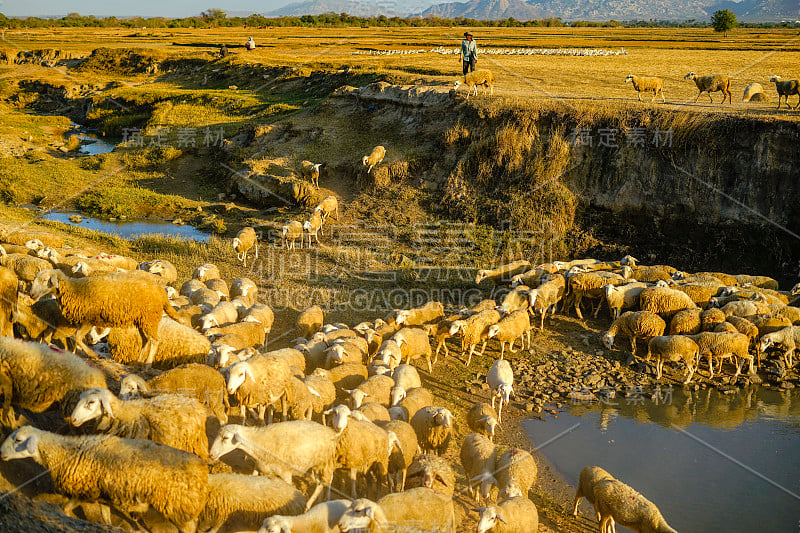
(354, 414)
(718, 83)
(502, 52)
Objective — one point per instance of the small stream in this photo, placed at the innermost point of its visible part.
(709, 461)
(91, 144)
(130, 229)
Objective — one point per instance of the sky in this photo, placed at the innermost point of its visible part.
(146, 8)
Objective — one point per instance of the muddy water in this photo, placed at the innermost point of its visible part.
(711, 462)
(129, 229)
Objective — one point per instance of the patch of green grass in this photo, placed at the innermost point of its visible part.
(149, 158)
(130, 201)
(39, 175)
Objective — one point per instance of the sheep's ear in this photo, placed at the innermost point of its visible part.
(369, 511)
(500, 517)
(247, 373)
(32, 444)
(106, 404)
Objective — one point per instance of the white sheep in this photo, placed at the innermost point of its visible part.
(635, 325)
(787, 339)
(620, 297)
(478, 457)
(328, 206)
(616, 500)
(374, 158)
(205, 272)
(172, 482)
(243, 242)
(723, 345)
(516, 325)
(414, 343)
(414, 400)
(285, 449)
(674, 348)
(418, 316)
(503, 273)
(644, 84)
(112, 300)
(546, 296)
(500, 379)
(313, 227)
(243, 502)
(473, 79)
(474, 329)
(322, 518)
(482, 418)
(161, 267)
(403, 447)
(170, 419)
(516, 470)
(589, 477)
(710, 84)
(418, 509)
(512, 515)
(434, 428)
(258, 383)
(751, 90)
(376, 388)
(361, 447)
(786, 89)
(35, 376)
(290, 233)
(311, 172)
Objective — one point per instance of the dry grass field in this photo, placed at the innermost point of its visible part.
(746, 55)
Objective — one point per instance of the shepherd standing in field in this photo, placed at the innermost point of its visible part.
(469, 53)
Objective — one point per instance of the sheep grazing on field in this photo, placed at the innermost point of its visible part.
(503, 274)
(589, 477)
(786, 89)
(482, 418)
(419, 509)
(674, 348)
(170, 419)
(328, 206)
(311, 172)
(710, 84)
(615, 501)
(322, 518)
(647, 85)
(238, 502)
(752, 90)
(130, 474)
(786, 339)
(243, 242)
(635, 325)
(474, 329)
(112, 300)
(283, 450)
(196, 380)
(290, 233)
(473, 79)
(374, 158)
(516, 514)
(34, 376)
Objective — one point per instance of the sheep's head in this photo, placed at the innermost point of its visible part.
(365, 160)
(398, 413)
(443, 417)
(490, 424)
(457, 84)
(208, 322)
(96, 335)
(81, 269)
(397, 395)
(21, 444)
(93, 404)
(765, 342)
(489, 518)
(629, 78)
(172, 293)
(357, 398)
(690, 76)
(608, 341)
(402, 317)
(456, 326)
(628, 259)
(339, 416)
(46, 282)
(795, 290)
(510, 491)
(229, 439)
(608, 290)
(494, 329)
(486, 480)
(132, 386)
(307, 225)
(662, 284)
(34, 244)
(774, 78)
(480, 276)
(626, 272)
(237, 243)
(237, 374)
(504, 392)
(360, 515)
(276, 524)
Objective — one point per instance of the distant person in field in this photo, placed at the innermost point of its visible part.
(469, 53)
(223, 51)
(250, 44)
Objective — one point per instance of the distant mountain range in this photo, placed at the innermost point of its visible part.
(599, 10)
